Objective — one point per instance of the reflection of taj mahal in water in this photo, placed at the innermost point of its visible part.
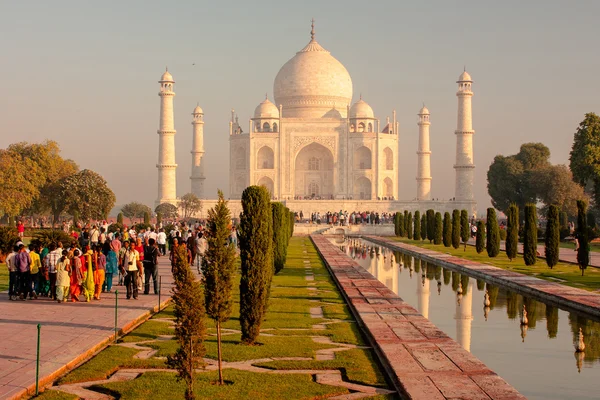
(313, 143)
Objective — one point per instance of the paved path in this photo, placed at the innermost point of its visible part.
(554, 293)
(71, 332)
(423, 361)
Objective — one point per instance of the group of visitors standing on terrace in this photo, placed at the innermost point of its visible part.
(342, 218)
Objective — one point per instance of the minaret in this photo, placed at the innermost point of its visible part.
(464, 140)
(464, 318)
(197, 177)
(424, 157)
(167, 182)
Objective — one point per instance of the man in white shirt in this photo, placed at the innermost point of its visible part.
(13, 274)
(94, 235)
(201, 247)
(161, 240)
(131, 265)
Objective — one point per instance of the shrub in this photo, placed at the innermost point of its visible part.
(409, 226)
(552, 239)
(397, 223)
(401, 231)
(114, 227)
(530, 235)
(430, 225)
(45, 237)
(424, 226)
(437, 229)
(417, 230)
(455, 229)
(280, 235)
(142, 225)
(146, 218)
(120, 218)
(480, 237)
(583, 255)
(447, 227)
(512, 232)
(405, 225)
(8, 238)
(493, 236)
(465, 229)
(502, 233)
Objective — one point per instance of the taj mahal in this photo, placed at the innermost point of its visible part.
(314, 149)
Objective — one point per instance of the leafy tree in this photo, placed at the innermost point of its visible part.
(455, 229)
(480, 237)
(555, 185)
(120, 218)
(530, 235)
(512, 232)
(219, 268)
(437, 239)
(583, 255)
(417, 227)
(430, 225)
(147, 218)
(19, 182)
(493, 235)
(167, 210)
(447, 227)
(585, 154)
(409, 226)
(135, 210)
(401, 225)
(189, 322)
(465, 231)
(190, 204)
(256, 252)
(88, 195)
(424, 226)
(552, 237)
(280, 235)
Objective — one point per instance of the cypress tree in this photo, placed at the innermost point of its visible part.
(146, 218)
(465, 231)
(455, 229)
(189, 322)
(437, 229)
(493, 233)
(256, 254)
(512, 232)
(552, 238)
(120, 218)
(219, 267)
(280, 235)
(397, 223)
(424, 226)
(530, 235)
(430, 225)
(583, 255)
(480, 237)
(291, 224)
(409, 226)
(447, 226)
(417, 230)
(401, 230)
(405, 225)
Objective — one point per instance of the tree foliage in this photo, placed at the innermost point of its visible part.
(455, 229)
(167, 210)
(447, 230)
(465, 231)
(405, 223)
(401, 226)
(424, 226)
(88, 195)
(397, 223)
(417, 227)
(552, 236)
(190, 204)
(480, 238)
(135, 210)
(219, 267)
(409, 226)
(256, 253)
(583, 252)
(530, 235)
(512, 232)
(585, 154)
(280, 235)
(493, 235)
(430, 225)
(437, 229)
(19, 190)
(8, 238)
(120, 218)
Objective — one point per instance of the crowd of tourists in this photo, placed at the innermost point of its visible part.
(343, 218)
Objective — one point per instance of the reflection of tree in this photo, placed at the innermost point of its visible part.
(464, 279)
(532, 311)
(591, 336)
(551, 321)
(406, 259)
(455, 280)
(417, 264)
(493, 292)
(480, 285)
(512, 305)
(397, 256)
(438, 272)
(447, 276)
(430, 271)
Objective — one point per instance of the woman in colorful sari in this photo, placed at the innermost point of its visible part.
(99, 272)
(88, 284)
(63, 268)
(76, 275)
(112, 265)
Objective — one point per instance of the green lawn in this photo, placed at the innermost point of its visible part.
(567, 274)
(595, 247)
(286, 333)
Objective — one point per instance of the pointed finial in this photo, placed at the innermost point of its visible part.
(464, 68)
(166, 69)
(312, 30)
(423, 104)
(266, 96)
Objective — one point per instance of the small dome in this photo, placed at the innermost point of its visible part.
(166, 77)
(424, 110)
(266, 109)
(198, 110)
(361, 109)
(464, 77)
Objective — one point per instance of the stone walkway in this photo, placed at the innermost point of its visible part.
(423, 362)
(70, 333)
(551, 292)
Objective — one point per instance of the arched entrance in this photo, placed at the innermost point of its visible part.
(314, 172)
(268, 183)
(362, 189)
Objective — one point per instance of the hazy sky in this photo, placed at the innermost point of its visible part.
(85, 74)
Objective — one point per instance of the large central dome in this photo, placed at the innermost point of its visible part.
(312, 84)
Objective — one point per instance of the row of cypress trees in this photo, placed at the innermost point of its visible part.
(450, 230)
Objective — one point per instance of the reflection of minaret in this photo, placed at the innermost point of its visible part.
(464, 317)
(423, 295)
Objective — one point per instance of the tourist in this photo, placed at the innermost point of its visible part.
(13, 275)
(102, 237)
(201, 247)
(76, 275)
(150, 263)
(34, 254)
(21, 229)
(112, 263)
(22, 263)
(122, 262)
(100, 263)
(94, 236)
(161, 240)
(172, 256)
(132, 266)
(63, 281)
(88, 284)
(233, 237)
(139, 246)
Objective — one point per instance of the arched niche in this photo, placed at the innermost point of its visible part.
(265, 159)
(362, 158)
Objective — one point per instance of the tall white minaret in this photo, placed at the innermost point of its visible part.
(167, 177)
(424, 157)
(197, 177)
(464, 166)
(464, 318)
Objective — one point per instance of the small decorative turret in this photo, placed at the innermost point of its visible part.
(439, 286)
(524, 320)
(486, 312)
(580, 345)
(486, 299)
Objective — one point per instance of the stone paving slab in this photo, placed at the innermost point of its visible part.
(70, 333)
(421, 360)
(554, 293)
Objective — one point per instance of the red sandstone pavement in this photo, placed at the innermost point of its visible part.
(70, 332)
(566, 296)
(423, 361)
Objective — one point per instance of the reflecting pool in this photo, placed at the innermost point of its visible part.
(538, 359)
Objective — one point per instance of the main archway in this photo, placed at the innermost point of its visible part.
(314, 172)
